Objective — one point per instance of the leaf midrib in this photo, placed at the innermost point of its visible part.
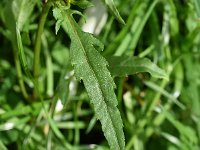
(94, 74)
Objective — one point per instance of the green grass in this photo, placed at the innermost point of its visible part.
(57, 86)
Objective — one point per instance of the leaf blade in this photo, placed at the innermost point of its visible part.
(91, 67)
(22, 9)
(114, 10)
(123, 66)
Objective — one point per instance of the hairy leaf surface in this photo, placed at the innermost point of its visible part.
(91, 67)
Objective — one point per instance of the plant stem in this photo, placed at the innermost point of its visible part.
(19, 75)
(37, 48)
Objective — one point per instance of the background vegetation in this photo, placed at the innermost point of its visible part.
(160, 108)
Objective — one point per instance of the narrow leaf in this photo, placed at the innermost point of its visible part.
(82, 4)
(90, 67)
(165, 93)
(2, 146)
(114, 10)
(123, 66)
(27, 71)
(22, 9)
(197, 7)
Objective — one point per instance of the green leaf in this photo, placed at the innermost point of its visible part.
(22, 54)
(165, 93)
(22, 9)
(27, 71)
(59, 18)
(187, 134)
(13, 123)
(16, 13)
(82, 4)
(2, 146)
(129, 40)
(114, 10)
(90, 67)
(197, 6)
(123, 66)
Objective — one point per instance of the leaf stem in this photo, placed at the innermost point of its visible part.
(37, 48)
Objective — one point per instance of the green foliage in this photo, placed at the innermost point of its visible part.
(112, 7)
(123, 66)
(90, 67)
(197, 6)
(60, 89)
